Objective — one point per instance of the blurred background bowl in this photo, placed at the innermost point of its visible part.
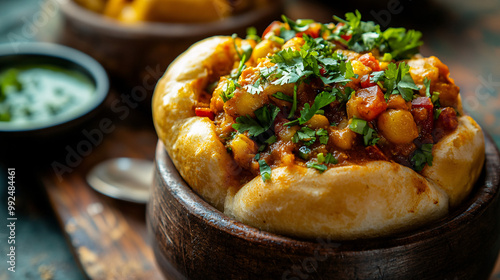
(137, 54)
(35, 137)
(193, 240)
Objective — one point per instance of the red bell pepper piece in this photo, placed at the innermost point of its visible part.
(204, 112)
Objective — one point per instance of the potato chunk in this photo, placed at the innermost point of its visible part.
(244, 150)
(397, 126)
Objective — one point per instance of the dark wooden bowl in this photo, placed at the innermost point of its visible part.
(38, 140)
(193, 240)
(138, 54)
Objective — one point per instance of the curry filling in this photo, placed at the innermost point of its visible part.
(326, 95)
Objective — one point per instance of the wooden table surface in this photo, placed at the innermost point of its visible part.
(108, 237)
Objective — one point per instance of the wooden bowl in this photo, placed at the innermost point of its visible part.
(138, 54)
(193, 240)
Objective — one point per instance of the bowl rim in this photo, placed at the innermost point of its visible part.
(116, 28)
(58, 52)
(476, 203)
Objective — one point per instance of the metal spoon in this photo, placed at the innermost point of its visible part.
(123, 178)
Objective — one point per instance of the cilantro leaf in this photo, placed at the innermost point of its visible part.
(294, 101)
(323, 136)
(265, 119)
(397, 43)
(252, 34)
(314, 164)
(422, 156)
(246, 49)
(300, 25)
(320, 101)
(396, 80)
(265, 170)
(281, 96)
(228, 89)
(306, 135)
(400, 43)
(361, 126)
(427, 84)
(304, 152)
(329, 158)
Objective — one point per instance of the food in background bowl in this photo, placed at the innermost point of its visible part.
(170, 10)
(320, 130)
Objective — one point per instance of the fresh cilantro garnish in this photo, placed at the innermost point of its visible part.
(297, 65)
(435, 99)
(308, 136)
(323, 136)
(422, 156)
(427, 84)
(271, 140)
(255, 88)
(314, 164)
(437, 112)
(361, 126)
(252, 34)
(294, 101)
(320, 101)
(265, 119)
(281, 96)
(329, 158)
(401, 44)
(396, 80)
(246, 49)
(228, 89)
(304, 152)
(232, 81)
(343, 97)
(366, 35)
(300, 25)
(265, 170)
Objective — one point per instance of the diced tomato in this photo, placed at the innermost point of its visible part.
(322, 71)
(312, 31)
(274, 27)
(424, 102)
(423, 115)
(365, 81)
(204, 112)
(368, 60)
(445, 123)
(372, 103)
(346, 37)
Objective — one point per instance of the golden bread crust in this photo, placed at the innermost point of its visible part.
(377, 198)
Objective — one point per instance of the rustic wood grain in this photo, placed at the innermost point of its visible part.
(194, 240)
(108, 236)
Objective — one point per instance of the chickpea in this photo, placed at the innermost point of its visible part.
(342, 138)
(318, 121)
(287, 133)
(397, 126)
